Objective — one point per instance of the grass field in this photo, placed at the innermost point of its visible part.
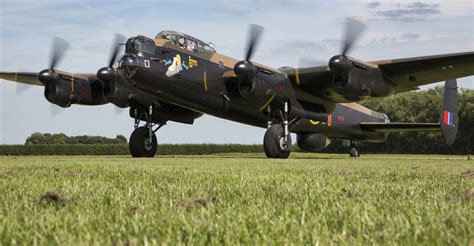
(247, 199)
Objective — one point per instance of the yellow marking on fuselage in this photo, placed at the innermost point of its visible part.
(16, 76)
(313, 122)
(267, 103)
(205, 80)
(297, 76)
(192, 63)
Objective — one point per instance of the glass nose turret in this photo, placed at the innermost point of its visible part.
(127, 65)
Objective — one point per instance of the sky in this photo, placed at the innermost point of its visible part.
(294, 30)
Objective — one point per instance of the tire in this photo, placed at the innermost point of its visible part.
(138, 143)
(272, 143)
(354, 152)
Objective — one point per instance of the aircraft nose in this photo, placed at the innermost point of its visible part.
(128, 65)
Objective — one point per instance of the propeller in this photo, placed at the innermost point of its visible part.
(118, 110)
(353, 30)
(56, 110)
(255, 32)
(59, 48)
(119, 40)
(246, 70)
(107, 74)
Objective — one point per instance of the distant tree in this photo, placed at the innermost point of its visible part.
(121, 139)
(35, 138)
(61, 138)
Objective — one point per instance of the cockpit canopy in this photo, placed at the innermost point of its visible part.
(186, 42)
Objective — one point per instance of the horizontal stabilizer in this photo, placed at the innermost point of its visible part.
(400, 127)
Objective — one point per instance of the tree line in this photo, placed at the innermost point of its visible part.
(61, 138)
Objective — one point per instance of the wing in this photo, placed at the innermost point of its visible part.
(410, 73)
(32, 78)
(407, 74)
(25, 78)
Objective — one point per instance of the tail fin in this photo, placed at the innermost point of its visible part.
(449, 112)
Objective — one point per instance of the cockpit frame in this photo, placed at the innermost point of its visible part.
(186, 42)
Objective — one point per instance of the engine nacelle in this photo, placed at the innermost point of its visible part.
(265, 85)
(312, 141)
(65, 90)
(355, 80)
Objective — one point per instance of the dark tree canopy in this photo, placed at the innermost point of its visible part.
(61, 138)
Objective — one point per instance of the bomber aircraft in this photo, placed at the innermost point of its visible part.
(176, 77)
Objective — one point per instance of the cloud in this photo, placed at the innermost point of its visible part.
(300, 47)
(413, 12)
(406, 37)
(373, 5)
(410, 36)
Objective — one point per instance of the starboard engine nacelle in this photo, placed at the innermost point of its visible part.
(312, 141)
(64, 89)
(354, 80)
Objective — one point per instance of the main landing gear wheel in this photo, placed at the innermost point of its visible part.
(141, 145)
(277, 139)
(354, 150)
(274, 143)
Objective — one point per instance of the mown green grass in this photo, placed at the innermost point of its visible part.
(237, 198)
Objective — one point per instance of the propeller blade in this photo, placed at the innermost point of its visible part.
(254, 36)
(21, 88)
(59, 48)
(119, 39)
(353, 31)
(118, 110)
(56, 110)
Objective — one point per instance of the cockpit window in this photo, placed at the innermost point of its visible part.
(145, 45)
(186, 42)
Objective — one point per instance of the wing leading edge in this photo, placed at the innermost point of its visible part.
(407, 74)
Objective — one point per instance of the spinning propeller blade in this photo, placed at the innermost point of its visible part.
(254, 36)
(119, 40)
(353, 30)
(58, 50)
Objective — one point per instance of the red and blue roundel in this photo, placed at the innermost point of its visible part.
(448, 118)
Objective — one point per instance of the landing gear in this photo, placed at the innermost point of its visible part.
(143, 141)
(354, 150)
(274, 143)
(277, 139)
(141, 144)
